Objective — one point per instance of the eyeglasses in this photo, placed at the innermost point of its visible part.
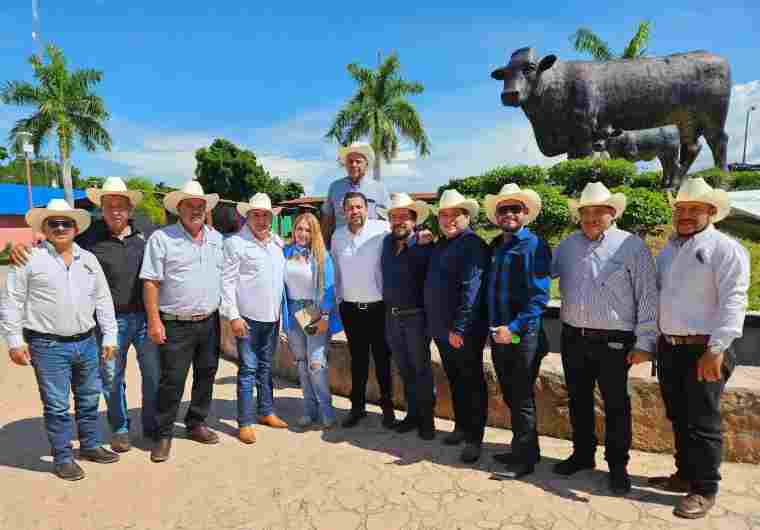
(509, 208)
(66, 224)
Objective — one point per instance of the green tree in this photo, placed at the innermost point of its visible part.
(235, 174)
(586, 41)
(3, 153)
(379, 110)
(645, 209)
(151, 205)
(66, 108)
(43, 172)
(573, 175)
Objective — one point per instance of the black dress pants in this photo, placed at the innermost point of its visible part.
(187, 343)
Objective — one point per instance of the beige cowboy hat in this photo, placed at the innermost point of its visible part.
(454, 199)
(512, 191)
(113, 186)
(192, 189)
(362, 148)
(597, 194)
(697, 190)
(58, 208)
(259, 201)
(404, 201)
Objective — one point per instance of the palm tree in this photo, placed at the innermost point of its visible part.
(586, 41)
(380, 111)
(66, 107)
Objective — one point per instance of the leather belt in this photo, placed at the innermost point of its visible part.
(598, 334)
(129, 309)
(405, 312)
(185, 318)
(363, 306)
(677, 340)
(31, 334)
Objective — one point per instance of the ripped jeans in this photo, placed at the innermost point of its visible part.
(310, 352)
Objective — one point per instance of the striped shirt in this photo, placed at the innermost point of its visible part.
(608, 284)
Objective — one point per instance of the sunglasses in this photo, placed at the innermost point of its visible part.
(66, 224)
(509, 208)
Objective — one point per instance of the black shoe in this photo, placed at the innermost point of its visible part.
(515, 470)
(620, 481)
(408, 424)
(352, 420)
(508, 458)
(455, 437)
(470, 453)
(99, 455)
(426, 433)
(572, 465)
(389, 416)
(162, 450)
(68, 471)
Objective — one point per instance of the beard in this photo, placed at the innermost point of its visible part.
(399, 235)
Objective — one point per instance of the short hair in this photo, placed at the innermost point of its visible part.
(352, 195)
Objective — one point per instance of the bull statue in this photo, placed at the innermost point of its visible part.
(662, 143)
(570, 104)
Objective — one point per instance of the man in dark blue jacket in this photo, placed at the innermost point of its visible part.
(454, 306)
(517, 294)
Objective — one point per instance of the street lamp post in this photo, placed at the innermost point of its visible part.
(746, 133)
(25, 146)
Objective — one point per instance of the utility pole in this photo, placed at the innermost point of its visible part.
(746, 133)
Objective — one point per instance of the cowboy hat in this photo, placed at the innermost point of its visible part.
(512, 191)
(363, 149)
(58, 208)
(454, 199)
(697, 190)
(113, 186)
(260, 201)
(597, 194)
(191, 190)
(404, 201)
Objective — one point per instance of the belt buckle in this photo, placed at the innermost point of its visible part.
(394, 311)
(197, 318)
(672, 340)
(583, 332)
(362, 306)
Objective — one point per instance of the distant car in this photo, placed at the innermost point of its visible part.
(743, 167)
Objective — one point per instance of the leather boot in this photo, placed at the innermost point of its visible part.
(694, 506)
(161, 451)
(389, 415)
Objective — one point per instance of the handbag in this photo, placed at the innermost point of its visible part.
(307, 316)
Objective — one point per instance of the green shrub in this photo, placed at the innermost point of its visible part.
(651, 180)
(492, 181)
(715, 177)
(5, 253)
(746, 180)
(554, 218)
(645, 209)
(573, 175)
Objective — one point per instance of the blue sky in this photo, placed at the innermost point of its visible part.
(270, 75)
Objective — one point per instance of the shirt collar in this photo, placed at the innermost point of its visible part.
(696, 238)
(204, 229)
(76, 250)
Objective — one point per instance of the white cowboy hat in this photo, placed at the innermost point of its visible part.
(512, 191)
(597, 194)
(454, 199)
(58, 208)
(697, 190)
(113, 186)
(363, 149)
(259, 201)
(191, 190)
(404, 201)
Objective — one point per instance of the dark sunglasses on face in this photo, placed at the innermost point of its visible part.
(509, 208)
(66, 224)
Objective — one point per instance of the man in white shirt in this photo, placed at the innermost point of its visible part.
(356, 251)
(703, 276)
(252, 290)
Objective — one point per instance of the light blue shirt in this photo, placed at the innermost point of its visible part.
(190, 272)
(377, 198)
(358, 272)
(608, 284)
(47, 296)
(253, 277)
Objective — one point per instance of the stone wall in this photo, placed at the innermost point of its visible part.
(651, 430)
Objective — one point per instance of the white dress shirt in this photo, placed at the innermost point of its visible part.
(253, 277)
(703, 283)
(358, 275)
(299, 278)
(47, 296)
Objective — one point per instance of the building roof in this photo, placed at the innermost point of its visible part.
(746, 203)
(14, 201)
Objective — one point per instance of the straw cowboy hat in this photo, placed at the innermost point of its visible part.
(363, 149)
(113, 186)
(404, 201)
(512, 191)
(454, 199)
(58, 208)
(191, 190)
(597, 194)
(697, 190)
(260, 201)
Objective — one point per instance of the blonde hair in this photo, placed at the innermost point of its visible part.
(317, 249)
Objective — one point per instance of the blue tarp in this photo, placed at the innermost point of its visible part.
(14, 201)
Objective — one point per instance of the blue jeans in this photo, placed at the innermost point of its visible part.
(310, 352)
(133, 330)
(255, 355)
(62, 367)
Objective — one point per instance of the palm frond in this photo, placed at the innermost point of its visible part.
(361, 75)
(19, 93)
(585, 41)
(407, 120)
(638, 45)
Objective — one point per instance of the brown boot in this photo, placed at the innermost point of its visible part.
(672, 483)
(694, 506)
(161, 450)
(120, 442)
(247, 434)
(202, 434)
(273, 421)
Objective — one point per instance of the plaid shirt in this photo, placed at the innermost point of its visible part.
(518, 282)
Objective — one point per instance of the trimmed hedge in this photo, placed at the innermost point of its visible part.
(645, 209)
(573, 175)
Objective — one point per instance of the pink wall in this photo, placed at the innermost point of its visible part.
(13, 229)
